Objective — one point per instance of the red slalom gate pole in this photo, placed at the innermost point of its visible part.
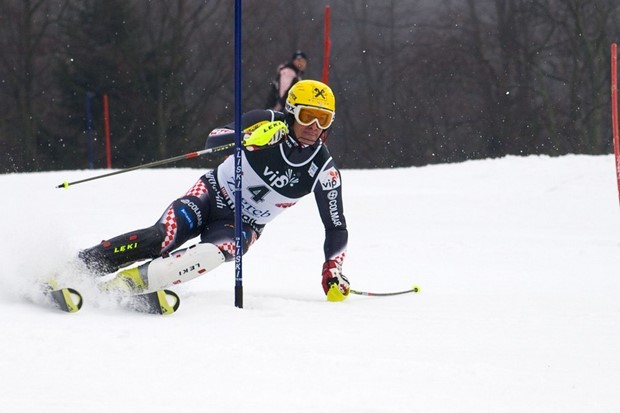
(327, 47)
(614, 110)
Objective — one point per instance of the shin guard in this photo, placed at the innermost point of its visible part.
(180, 266)
(110, 255)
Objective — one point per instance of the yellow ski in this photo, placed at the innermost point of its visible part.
(66, 299)
(163, 302)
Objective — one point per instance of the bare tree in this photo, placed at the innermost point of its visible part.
(581, 44)
(177, 61)
(26, 38)
(416, 81)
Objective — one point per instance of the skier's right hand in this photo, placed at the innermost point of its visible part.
(267, 134)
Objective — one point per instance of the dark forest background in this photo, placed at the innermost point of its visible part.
(416, 81)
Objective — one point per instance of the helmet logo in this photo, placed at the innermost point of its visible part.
(319, 92)
(310, 93)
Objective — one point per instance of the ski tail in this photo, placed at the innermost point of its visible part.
(164, 302)
(66, 299)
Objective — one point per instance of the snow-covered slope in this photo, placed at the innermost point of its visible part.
(519, 311)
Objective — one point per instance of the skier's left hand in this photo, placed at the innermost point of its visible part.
(267, 134)
(335, 284)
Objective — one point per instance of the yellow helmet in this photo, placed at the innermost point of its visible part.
(310, 93)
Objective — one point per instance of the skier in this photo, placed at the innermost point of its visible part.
(283, 159)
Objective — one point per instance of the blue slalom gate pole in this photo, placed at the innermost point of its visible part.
(238, 169)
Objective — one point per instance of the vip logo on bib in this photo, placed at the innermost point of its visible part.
(329, 179)
(280, 180)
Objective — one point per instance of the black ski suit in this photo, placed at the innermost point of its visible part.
(274, 179)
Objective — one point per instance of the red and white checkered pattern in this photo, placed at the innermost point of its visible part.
(228, 247)
(220, 131)
(198, 189)
(170, 224)
(340, 258)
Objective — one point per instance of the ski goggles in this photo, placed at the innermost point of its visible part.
(305, 115)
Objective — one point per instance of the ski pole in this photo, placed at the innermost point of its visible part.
(414, 289)
(190, 155)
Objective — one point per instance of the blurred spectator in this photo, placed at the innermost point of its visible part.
(287, 75)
